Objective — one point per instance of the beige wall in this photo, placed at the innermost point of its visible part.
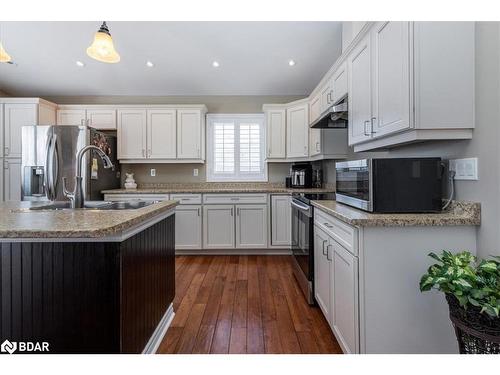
(216, 104)
(484, 144)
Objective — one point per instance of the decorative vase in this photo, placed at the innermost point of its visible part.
(130, 182)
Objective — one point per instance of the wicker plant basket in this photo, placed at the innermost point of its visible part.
(477, 333)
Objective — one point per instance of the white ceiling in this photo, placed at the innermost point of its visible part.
(253, 58)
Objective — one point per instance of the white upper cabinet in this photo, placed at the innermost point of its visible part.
(132, 133)
(101, 119)
(276, 132)
(411, 82)
(97, 118)
(298, 131)
(15, 117)
(359, 77)
(71, 117)
(314, 142)
(391, 78)
(315, 108)
(162, 134)
(339, 83)
(326, 96)
(189, 134)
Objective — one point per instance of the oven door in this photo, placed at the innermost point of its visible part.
(353, 184)
(302, 237)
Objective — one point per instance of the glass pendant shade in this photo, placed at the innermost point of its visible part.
(4, 56)
(102, 48)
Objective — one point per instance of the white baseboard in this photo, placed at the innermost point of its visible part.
(160, 331)
(234, 252)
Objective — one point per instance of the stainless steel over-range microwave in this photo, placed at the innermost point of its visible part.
(393, 185)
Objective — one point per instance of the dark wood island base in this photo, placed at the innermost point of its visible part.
(90, 297)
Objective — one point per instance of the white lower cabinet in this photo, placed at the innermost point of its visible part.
(1, 180)
(251, 226)
(322, 283)
(12, 179)
(188, 227)
(281, 220)
(218, 226)
(336, 281)
(344, 297)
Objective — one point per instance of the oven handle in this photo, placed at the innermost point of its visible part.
(304, 208)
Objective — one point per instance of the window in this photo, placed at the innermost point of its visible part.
(235, 147)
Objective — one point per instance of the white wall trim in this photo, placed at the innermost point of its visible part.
(160, 331)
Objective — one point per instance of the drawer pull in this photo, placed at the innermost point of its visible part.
(324, 241)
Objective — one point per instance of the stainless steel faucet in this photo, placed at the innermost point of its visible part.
(76, 196)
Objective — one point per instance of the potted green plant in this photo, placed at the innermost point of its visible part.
(472, 289)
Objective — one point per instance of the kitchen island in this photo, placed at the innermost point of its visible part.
(88, 280)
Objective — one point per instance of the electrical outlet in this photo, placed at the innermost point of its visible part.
(195, 172)
(465, 169)
(153, 172)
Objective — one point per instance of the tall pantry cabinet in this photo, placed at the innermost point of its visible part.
(14, 114)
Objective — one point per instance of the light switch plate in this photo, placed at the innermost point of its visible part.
(195, 172)
(465, 169)
(153, 172)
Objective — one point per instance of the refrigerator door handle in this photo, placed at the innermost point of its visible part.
(52, 166)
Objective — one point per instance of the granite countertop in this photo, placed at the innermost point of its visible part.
(17, 221)
(217, 187)
(458, 213)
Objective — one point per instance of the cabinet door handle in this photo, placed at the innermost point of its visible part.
(328, 225)
(7, 151)
(6, 164)
(317, 146)
(373, 119)
(199, 153)
(149, 153)
(305, 150)
(231, 211)
(269, 152)
(328, 252)
(81, 122)
(198, 209)
(324, 241)
(143, 153)
(364, 128)
(237, 212)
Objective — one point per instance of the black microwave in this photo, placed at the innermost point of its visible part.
(395, 185)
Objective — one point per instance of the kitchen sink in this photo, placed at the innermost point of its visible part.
(95, 205)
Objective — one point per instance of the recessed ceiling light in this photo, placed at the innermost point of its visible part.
(291, 62)
(149, 64)
(215, 64)
(79, 63)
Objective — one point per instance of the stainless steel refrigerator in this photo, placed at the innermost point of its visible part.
(49, 154)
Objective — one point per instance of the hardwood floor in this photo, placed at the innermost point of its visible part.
(243, 304)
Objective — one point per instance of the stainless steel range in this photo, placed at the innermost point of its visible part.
(303, 241)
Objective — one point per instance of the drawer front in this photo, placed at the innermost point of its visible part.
(186, 198)
(234, 198)
(343, 233)
(135, 197)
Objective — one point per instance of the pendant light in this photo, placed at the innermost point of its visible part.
(102, 48)
(4, 56)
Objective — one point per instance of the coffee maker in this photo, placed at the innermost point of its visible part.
(301, 175)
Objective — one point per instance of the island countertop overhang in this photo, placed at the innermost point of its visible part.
(19, 224)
